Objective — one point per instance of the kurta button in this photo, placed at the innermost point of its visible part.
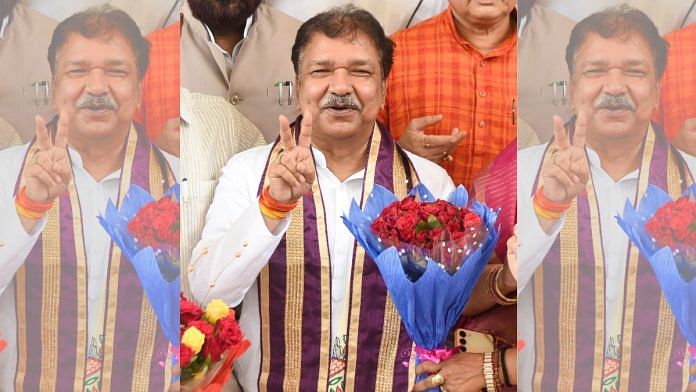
(482, 124)
(482, 63)
(235, 99)
(482, 93)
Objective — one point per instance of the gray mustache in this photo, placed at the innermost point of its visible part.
(345, 101)
(614, 102)
(103, 101)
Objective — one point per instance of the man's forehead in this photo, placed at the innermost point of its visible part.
(82, 47)
(355, 38)
(594, 45)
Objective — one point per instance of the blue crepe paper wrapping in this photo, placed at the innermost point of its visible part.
(431, 305)
(675, 275)
(158, 276)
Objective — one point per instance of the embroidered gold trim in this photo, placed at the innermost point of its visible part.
(294, 297)
(389, 346)
(50, 299)
(115, 266)
(356, 279)
(567, 311)
(146, 346)
(632, 271)
(325, 338)
(600, 318)
(662, 351)
(148, 320)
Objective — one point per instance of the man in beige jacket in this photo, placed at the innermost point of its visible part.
(24, 85)
(240, 50)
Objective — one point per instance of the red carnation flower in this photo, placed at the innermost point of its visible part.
(228, 331)
(202, 326)
(188, 311)
(185, 355)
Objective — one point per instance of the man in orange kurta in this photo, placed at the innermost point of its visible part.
(462, 65)
(678, 99)
(159, 111)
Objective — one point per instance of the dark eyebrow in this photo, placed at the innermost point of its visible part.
(357, 62)
(634, 62)
(114, 62)
(596, 63)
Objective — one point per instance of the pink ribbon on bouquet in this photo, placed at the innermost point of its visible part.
(436, 356)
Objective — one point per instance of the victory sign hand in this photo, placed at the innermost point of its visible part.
(566, 174)
(292, 172)
(48, 173)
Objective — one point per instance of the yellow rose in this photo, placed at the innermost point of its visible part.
(193, 339)
(216, 310)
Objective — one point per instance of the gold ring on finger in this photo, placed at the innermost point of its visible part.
(279, 157)
(448, 157)
(443, 389)
(438, 380)
(554, 154)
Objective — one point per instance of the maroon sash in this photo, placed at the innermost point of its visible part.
(51, 297)
(569, 297)
(296, 347)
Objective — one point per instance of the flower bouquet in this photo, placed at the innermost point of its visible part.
(147, 231)
(664, 230)
(210, 343)
(430, 254)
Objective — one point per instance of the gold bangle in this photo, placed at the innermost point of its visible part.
(499, 293)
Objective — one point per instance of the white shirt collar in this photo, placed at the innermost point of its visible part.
(76, 160)
(3, 25)
(595, 162)
(320, 161)
(233, 55)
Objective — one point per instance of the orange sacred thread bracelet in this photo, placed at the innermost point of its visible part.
(273, 208)
(29, 208)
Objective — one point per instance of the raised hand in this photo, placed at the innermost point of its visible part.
(48, 173)
(566, 174)
(432, 147)
(292, 172)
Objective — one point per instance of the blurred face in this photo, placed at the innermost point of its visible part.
(6, 7)
(615, 84)
(482, 12)
(340, 83)
(223, 14)
(96, 83)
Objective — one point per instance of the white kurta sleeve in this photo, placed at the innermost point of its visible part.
(235, 244)
(533, 242)
(15, 242)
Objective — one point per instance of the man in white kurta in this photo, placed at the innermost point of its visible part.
(341, 90)
(96, 180)
(614, 89)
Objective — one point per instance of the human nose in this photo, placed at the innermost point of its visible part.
(96, 82)
(615, 83)
(340, 83)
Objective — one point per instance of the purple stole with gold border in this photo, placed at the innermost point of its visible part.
(295, 296)
(569, 297)
(51, 298)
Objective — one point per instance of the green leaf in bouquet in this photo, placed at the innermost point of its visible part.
(420, 226)
(433, 222)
